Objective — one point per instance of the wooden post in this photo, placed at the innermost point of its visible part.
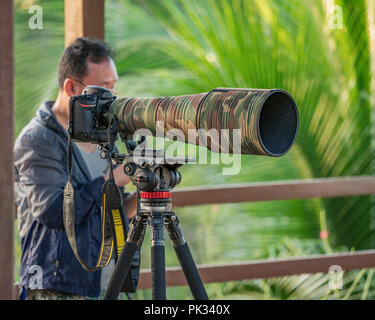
(83, 18)
(6, 147)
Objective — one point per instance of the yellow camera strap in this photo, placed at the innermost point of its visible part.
(112, 211)
(113, 225)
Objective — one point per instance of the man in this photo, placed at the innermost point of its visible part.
(49, 269)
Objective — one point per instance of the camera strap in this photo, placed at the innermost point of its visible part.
(112, 210)
(113, 225)
(112, 207)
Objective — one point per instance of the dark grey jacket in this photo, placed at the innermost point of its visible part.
(40, 177)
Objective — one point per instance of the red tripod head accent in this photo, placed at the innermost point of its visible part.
(155, 195)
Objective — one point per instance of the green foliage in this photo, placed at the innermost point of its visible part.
(173, 47)
(37, 54)
(289, 45)
(320, 286)
(266, 44)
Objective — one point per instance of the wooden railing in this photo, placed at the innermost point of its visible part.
(281, 190)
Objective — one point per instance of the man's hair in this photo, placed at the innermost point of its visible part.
(73, 63)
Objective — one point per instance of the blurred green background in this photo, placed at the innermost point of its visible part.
(322, 52)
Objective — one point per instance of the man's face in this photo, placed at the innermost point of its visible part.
(103, 74)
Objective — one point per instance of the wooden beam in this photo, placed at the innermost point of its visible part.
(6, 147)
(263, 269)
(83, 18)
(280, 190)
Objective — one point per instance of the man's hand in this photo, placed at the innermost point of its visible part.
(121, 178)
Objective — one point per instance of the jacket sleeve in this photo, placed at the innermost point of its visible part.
(41, 172)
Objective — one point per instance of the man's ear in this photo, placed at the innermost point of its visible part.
(71, 88)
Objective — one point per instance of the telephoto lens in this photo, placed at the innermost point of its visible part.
(265, 120)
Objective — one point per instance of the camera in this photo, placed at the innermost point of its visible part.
(88, 121)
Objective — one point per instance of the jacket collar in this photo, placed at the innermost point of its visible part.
(48, 118)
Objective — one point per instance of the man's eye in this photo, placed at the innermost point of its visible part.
(108, 87)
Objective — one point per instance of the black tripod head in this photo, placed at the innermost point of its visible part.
(150, 170)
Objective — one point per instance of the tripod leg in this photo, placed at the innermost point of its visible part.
(156, 221)
(185, 258)
(123, 264)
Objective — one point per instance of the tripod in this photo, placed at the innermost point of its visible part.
(154, 177)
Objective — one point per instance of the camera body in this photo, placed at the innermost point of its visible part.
(88, 120)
